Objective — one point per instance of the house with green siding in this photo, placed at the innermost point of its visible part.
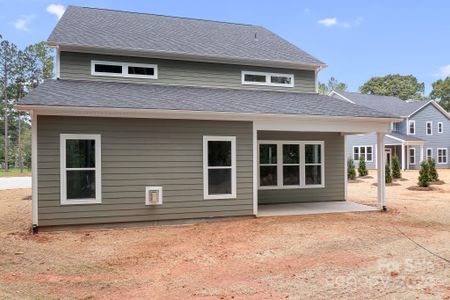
(156, 118)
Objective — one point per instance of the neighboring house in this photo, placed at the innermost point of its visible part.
(164, 118)
(424, 131)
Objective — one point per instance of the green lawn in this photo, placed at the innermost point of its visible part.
(13, 172)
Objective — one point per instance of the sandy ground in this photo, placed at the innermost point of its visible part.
(352, 255)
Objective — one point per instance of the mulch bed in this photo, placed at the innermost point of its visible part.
(366, 177)
(400, 179)
(388, 184)
(422, 189)
(437, 182)
(355, 181)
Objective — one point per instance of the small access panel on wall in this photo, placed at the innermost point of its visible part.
(153, 195)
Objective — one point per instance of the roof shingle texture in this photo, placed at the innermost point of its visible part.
(392, 105)
(140, 96)
(130, 31)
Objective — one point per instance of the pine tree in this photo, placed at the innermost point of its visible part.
(387, 174)
(424, 174)
(351, 171)
(434, 176)
(396, 171)
(362, 168)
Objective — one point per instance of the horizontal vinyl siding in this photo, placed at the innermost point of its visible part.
(362, 140)
(138, 153)
(334, 189)
(77, 66)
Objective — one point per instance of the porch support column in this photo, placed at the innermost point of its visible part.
(421, 153)
(381, 171)
(408, 159)
(403, 157)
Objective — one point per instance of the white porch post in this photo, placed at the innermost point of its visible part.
(403, 157)
(408, 159)
(34, 171)
(421, 153)
(381, 171)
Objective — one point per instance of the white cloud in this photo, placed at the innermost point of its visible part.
(444, 71)
(329, 22)
(56, 9)
(22, 23)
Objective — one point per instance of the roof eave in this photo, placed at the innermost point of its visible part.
(184, 56)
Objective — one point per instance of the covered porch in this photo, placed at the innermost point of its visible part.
(300, 167)
(406, 148)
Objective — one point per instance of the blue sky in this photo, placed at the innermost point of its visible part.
(357, 39)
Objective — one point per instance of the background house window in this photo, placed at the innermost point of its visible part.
(124, 69)
(440, 127)
(268, 172)
(412, 156)
(442, 155)
(412, 127)
(291, 164)
(219, 167)
(429, 153)
(429, 128)
(80, 168)
(366, 151)
(271, 79)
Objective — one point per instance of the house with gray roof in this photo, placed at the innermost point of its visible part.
(422, 133)
(156, 118)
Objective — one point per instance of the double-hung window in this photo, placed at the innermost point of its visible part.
(219, 167)
(412, 127)
(440, 127)
(429, 128)
(442, 156)
(271, 79)
(291, 164)
(363, 151)
(80, 156)
(429, 153)
(124, 69)
(412, 156)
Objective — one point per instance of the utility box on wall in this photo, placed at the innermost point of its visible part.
(153, 195)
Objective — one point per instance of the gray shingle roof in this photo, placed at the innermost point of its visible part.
(407, 138)
(388, 104)
(140, 96)
(130, 31)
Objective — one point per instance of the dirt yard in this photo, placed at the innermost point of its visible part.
(354, 255)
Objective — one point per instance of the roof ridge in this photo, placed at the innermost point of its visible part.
(165, 16)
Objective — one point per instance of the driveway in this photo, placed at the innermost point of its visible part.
(8, 183)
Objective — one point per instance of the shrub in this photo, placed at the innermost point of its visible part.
(396, 170)
(351, 171)
(424, 174)
(433, 172)
(362, 168)
(387, 174)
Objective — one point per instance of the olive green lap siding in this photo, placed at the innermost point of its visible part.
(137, 153)
(334, 189)
(77, 66)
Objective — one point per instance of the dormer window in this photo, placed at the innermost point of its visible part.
(122, 69)
(270, 79)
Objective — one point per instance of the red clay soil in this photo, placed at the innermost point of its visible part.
(351, 255)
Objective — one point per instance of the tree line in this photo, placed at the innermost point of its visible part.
(20, 71)
(404, 87)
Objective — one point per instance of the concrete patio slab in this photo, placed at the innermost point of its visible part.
(310, 208)
(8, 183)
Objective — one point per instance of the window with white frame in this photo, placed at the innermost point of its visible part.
(429, 153)
(412, 156)
(412, 127)
(429, 128)
(219, 167)
(291, 164)
(440, 127)
(442, 156)
(124, 69)
(363, 151)
(271, 79)
(80, 156)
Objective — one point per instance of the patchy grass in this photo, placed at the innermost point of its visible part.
(332, 256)
(14, 172)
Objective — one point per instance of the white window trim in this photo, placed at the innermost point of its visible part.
(206, 194)
(426, 153)
(268, 79)
(365, 153)
(124, 66)
(443, 156)
(412, 156)
(98, 168)
(409, 127)
(431, 128)
(440, 126)
(302, 165)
